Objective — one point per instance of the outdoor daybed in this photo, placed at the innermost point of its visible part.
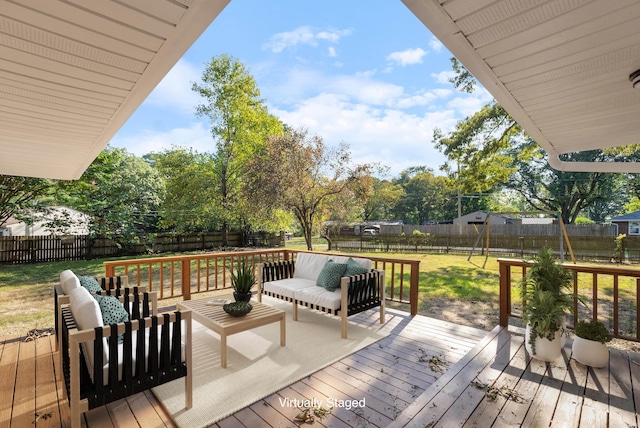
(104, 363)
(338, 285)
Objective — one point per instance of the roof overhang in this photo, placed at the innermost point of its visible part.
(72, 72)
(560, 68)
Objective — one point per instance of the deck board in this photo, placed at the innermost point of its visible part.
(392, 375)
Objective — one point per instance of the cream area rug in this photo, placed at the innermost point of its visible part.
(257, 366)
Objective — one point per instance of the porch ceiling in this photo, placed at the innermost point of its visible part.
(560, 67)
(73, 71)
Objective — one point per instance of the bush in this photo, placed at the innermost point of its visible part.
(593, 330)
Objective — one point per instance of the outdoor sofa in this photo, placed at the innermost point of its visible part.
(338, 285)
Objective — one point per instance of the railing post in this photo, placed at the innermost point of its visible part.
(109, 270)
(505, 293)
(185, 278)
(414, 287)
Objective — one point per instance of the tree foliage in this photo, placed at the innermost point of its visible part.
(119, 191)
(188, 177)
(240, 124)
(19, 195)
(298, 172)
(489, 150)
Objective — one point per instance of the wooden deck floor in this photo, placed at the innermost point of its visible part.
(425, 373)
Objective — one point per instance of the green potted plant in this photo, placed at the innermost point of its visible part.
(547, 299)
(589, 344)
(243, 280)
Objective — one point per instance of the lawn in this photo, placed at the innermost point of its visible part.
(451, 288)
(446, 283)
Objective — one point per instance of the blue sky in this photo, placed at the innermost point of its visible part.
(364, 72)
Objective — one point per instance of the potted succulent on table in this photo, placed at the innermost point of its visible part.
(243, 280)
(589, 344)
(547, 299)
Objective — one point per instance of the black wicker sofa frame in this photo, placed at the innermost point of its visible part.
(357, 293)
(156, 349)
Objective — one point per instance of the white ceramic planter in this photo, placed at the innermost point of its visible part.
(546, 350)
(589, 352)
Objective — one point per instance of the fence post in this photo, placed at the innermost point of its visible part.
(185, 278)
(505, 293)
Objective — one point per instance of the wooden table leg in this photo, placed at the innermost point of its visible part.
(283, 336)
(223, 350)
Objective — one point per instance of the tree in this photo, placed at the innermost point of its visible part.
(20, 195)
(491, 150)
(568, 193)
(240, 124)
(119, 191)
(382, 201)
(299, 173)
(187, 175)
(426, 196)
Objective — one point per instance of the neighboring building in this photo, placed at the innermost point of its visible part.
(628, 224)
(479, 217)
(79, 224)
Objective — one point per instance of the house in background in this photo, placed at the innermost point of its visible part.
(71, 222)
(479, 217)
(628, 224)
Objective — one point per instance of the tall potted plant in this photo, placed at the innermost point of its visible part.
(547, 299)
(243, 280)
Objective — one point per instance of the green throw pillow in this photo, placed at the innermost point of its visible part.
(112, 312)
(353, 268)
(330, 275)
(90, 283)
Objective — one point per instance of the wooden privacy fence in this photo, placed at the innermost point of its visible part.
(584, 247)
(33, 249)
(608, 294)
(182, 276)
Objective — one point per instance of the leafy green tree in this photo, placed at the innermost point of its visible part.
(426, 197)
(380, 205)
(120, 192)
(489, 149)
(240, 124)
(20, 196)
(188, 177)
(569, 193)
(297, 172)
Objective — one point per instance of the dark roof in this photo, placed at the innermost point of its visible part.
(628, 217)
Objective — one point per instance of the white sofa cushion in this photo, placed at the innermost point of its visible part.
(288, 287)
(69, 282)
(320, 296)
(66, 274)
(309, 266)
(87, 314)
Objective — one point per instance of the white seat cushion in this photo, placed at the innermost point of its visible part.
(288, 287)
(320, 296)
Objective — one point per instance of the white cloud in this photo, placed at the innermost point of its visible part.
(174, 91)
(435, 44)
(388, 136)
(407, 57)
(444, 76)
(196, 136)
(332, 52)
(304, 35)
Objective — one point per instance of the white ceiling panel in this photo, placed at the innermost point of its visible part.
(559, 67)
(73, 71)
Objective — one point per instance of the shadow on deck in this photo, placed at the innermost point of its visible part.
(427, 372)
